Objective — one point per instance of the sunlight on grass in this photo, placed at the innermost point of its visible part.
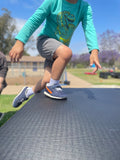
(6, 107)
(93, 79)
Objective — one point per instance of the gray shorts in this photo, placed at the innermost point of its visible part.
(46, 47)
(3, 65)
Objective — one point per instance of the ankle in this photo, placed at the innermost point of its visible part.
(29, 92)
(53, 82)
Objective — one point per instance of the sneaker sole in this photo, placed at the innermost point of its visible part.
(53, 97)
(17, 96)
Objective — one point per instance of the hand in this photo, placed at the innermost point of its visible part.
(16, 51)
(94, 60)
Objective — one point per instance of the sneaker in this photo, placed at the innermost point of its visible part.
(21, 97)
(55, 92)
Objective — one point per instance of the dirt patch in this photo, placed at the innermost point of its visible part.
(22, 81)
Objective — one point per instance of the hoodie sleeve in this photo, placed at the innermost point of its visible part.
(89, 29)
(34, 21)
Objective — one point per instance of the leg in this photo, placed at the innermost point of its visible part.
(3, 71)
(62, 56)
(1, 84)
(42, 83)
(54, 50)
(59, 55)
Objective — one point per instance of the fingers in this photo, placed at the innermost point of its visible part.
(16, 51)
(91, 61)
(11, 54)
(14, 56)
(94, 60)
(95, 70)
(98, 64)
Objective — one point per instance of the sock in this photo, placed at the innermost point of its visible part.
(53, 82)
(29, 92)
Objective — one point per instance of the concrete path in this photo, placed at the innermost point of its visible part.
(76, 82)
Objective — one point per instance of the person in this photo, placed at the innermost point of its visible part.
(3, 71)
(62, 18)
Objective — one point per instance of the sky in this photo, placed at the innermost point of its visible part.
(106, 15)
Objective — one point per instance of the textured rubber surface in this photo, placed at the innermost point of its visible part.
(84, 127)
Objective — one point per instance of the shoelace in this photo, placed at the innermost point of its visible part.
(22, 100)
(58, 88)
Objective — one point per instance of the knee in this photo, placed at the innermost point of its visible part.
(64, 52)
(67, 53)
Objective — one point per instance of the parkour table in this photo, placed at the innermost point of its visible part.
(84, 127)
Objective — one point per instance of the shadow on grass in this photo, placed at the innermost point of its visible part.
(6, 117)
(8, 114)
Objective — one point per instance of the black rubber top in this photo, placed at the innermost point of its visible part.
(84, 127)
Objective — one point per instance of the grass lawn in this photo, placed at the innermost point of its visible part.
(6, 107)
(93, 79)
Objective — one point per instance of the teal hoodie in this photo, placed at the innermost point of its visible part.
(62, 18)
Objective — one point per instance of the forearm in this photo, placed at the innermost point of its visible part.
(18, 42)
(28, 29)
(34, 21)
(95, 51)
(89, 30)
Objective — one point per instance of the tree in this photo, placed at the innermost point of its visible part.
(79, 60)
(7, 31)
(109, 40)
(109, 57)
